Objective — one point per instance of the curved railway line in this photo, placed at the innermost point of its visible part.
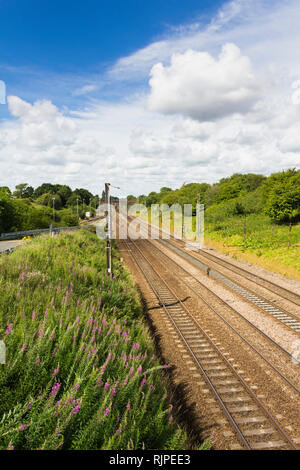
(253, 423)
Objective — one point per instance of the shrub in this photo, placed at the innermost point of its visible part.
(81, 370)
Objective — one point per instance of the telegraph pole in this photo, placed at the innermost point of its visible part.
(198, 216)
(108, 229)
(53, 199)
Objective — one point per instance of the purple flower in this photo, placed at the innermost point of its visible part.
(106, 386)
(55, 389)
(22, 427)
(56, 371)
(23, 347)
(75, 410)
(8, 329)
(118, 432)
(106, 412)
(143, 382)
(128, 406)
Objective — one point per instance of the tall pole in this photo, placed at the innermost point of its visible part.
(108, 229)
(77, 206)
(53, 199)
(198, 223)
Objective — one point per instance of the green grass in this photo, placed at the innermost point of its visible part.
(81, 372)
(265, 244)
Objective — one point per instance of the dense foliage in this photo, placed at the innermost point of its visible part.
(81, 371)
(278, 196)
(27, 208)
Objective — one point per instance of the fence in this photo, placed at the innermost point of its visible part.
(18, 235)
(266, 236)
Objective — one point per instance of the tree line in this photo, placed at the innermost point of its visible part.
(28, 208)
(278, 196)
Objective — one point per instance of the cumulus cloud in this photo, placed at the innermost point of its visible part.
(212, 111)
(42, 135)
(201, 87)
(42, 125)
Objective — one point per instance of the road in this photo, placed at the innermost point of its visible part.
(9, 244)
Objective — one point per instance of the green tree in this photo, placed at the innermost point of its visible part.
(282, 196)
(44, 188)
(64, 192)
(23, 191)
(46, 199)
(5, 191)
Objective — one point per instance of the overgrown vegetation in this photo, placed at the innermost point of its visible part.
(81, 371)
(27, 208)
(249, 216)
(278, 196)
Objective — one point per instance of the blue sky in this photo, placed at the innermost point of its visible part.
(49, 48)
(148, 94)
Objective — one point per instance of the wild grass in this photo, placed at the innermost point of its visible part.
(253, 238)
(81, 372)
(266, 244)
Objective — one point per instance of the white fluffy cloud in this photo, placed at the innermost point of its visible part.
(203, 88)
(212, 110)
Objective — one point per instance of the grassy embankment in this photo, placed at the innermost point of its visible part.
(263, 246)
(81, 371)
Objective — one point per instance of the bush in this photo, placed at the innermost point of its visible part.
(81, 371)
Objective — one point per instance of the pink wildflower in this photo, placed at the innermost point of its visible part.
(55, 389)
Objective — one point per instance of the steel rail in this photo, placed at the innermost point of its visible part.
(247, 274)
(228, 323)
(226, 304)
(281, 315)
(225, 360)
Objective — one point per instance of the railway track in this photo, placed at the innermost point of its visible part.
(280, 314)
(254, 425)
(271, 286)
